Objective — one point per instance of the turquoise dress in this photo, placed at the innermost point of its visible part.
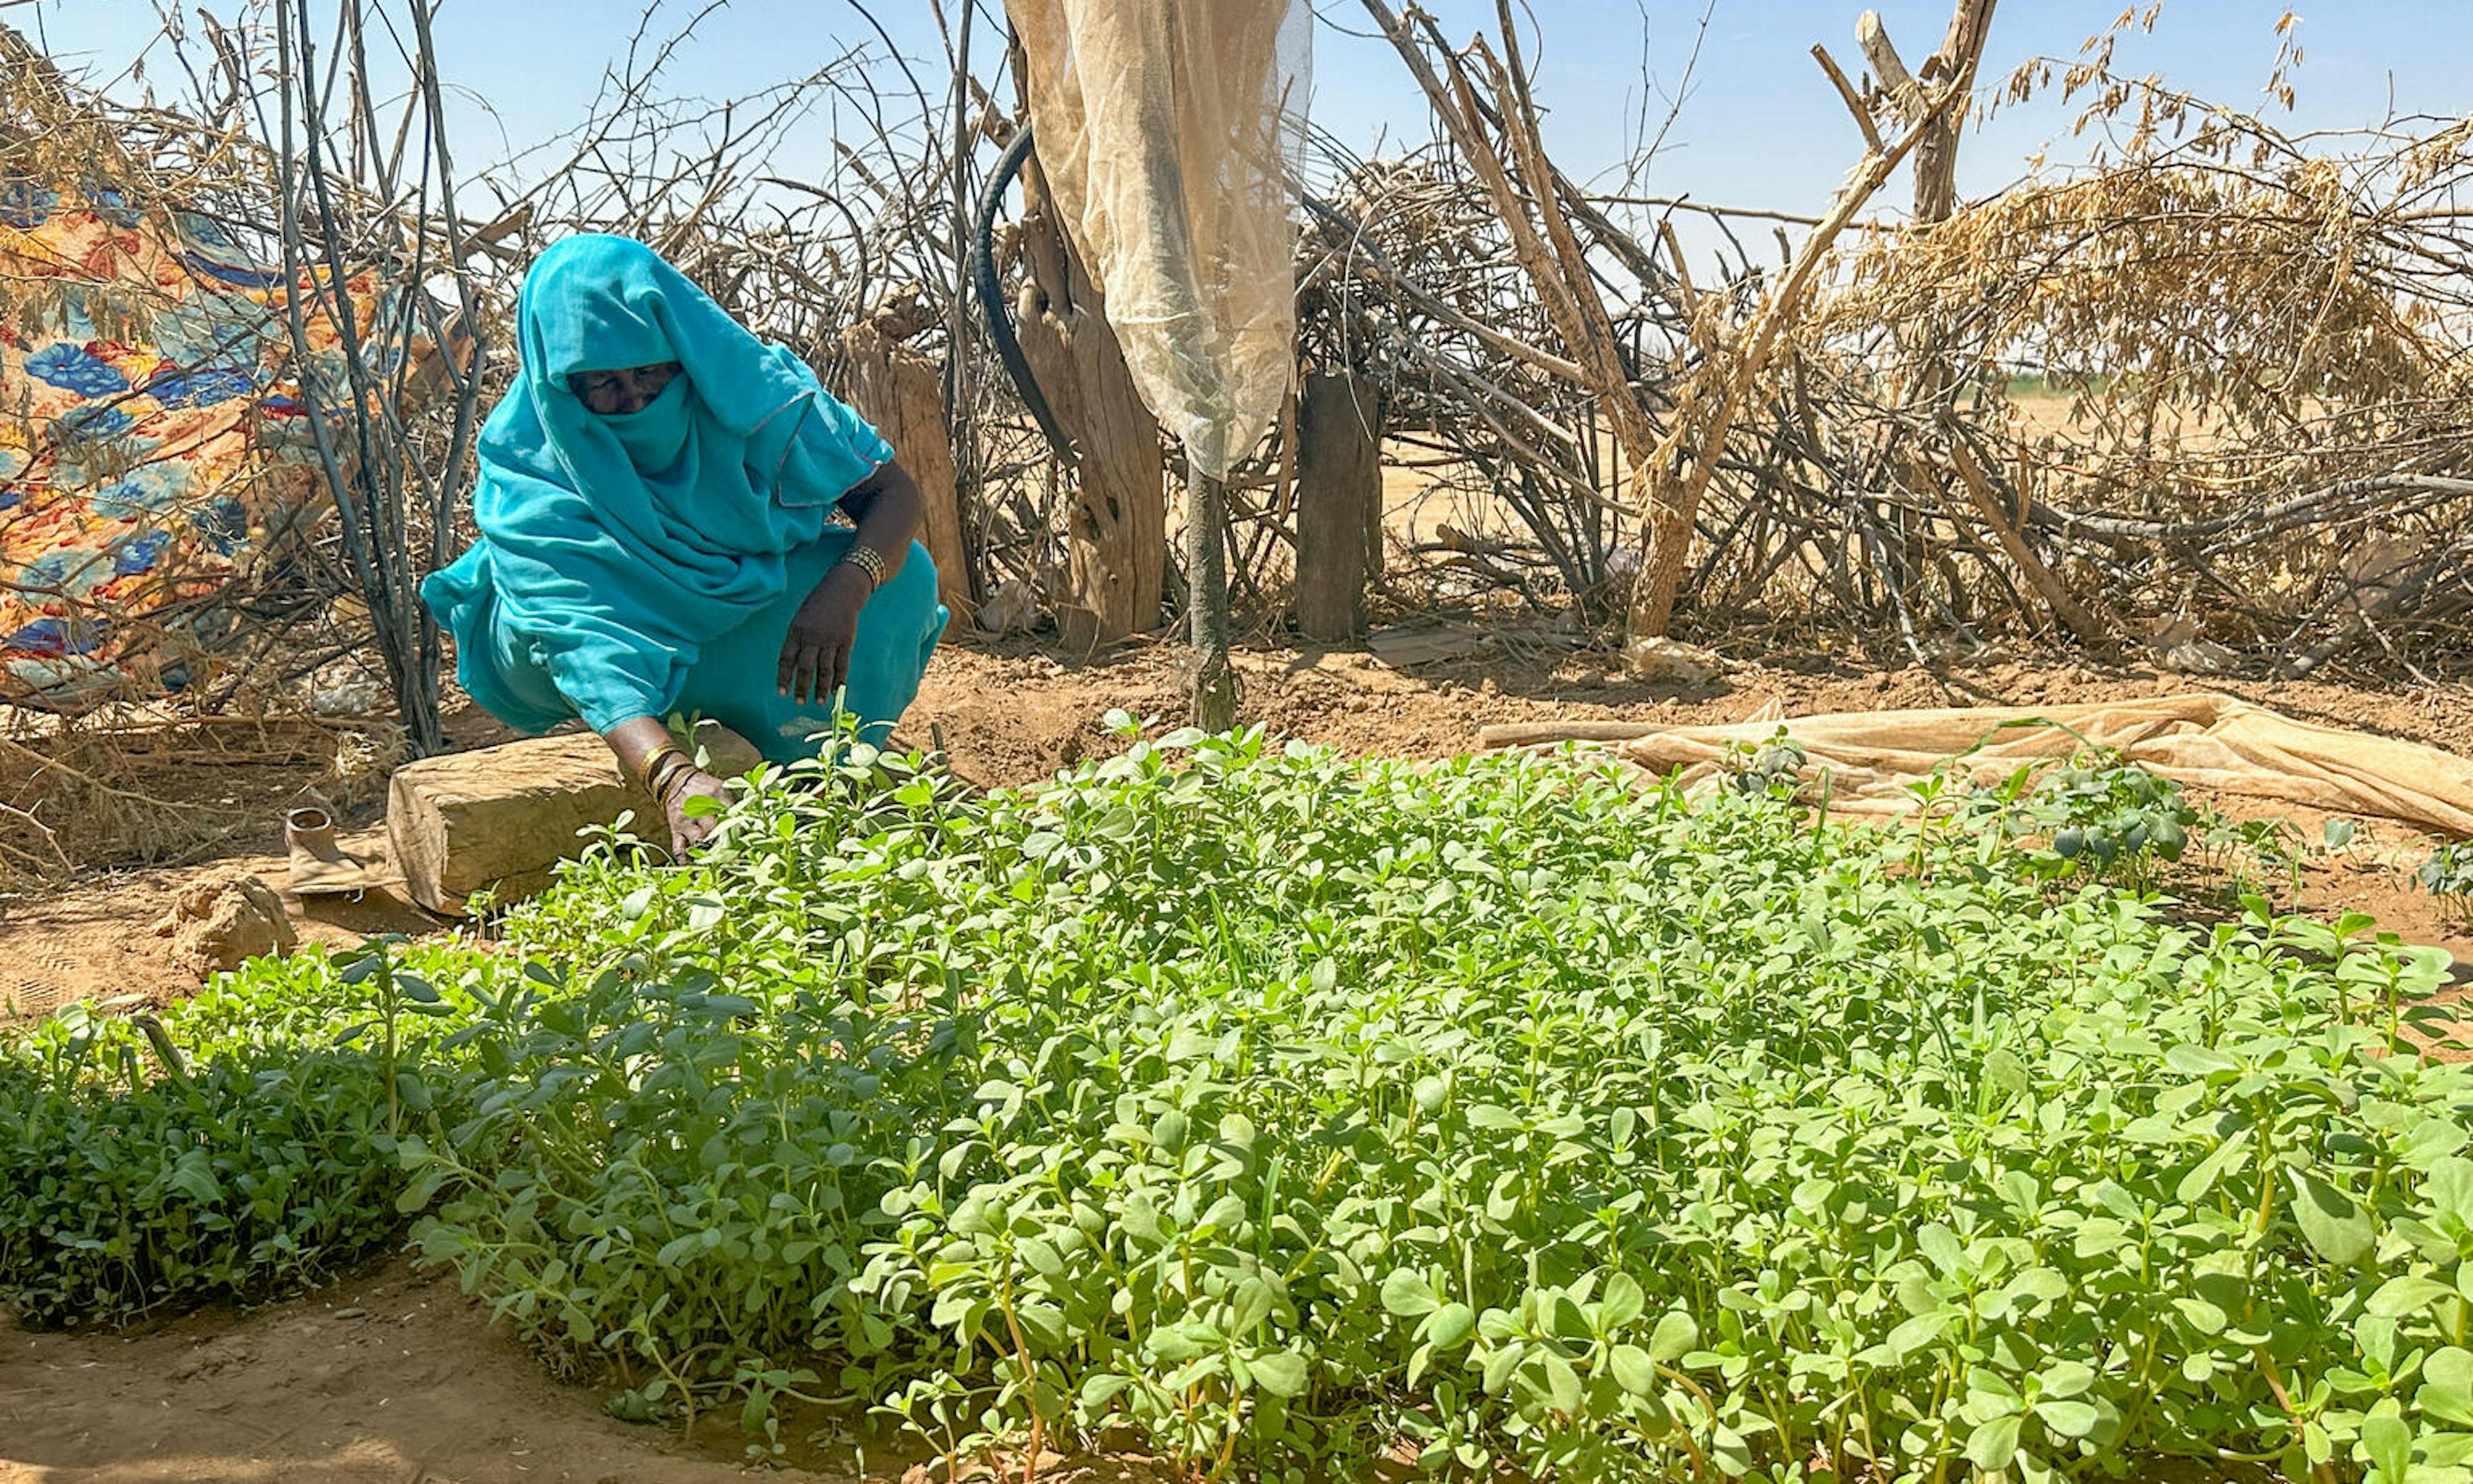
(650, 564)
(732, 679)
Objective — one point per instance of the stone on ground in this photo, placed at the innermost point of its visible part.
(221, 921)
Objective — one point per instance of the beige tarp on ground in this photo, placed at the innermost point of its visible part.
(2208, 742)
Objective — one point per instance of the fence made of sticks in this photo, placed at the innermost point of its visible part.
(2204, 391)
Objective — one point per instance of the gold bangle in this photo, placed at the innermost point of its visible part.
(670, 783)
(866, 560)
(659, 775)
(683, 768)
(663, 756)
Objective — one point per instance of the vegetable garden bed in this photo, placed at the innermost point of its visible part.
(1279, 1107)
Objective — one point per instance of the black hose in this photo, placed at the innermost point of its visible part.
(991, 291)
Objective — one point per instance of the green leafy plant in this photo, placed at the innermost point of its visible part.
(2104, 818)
(2448, 876)
(1771, 770)
(1269, 1109)
(260, 1160)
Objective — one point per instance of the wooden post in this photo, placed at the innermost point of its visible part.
(903, 393)
(1214, 679)
(1116, 536)
(1339, 503)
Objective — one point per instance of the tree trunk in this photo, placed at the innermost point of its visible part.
(1214, 679)
(903, 393)
(1116, 522)
(1340, 501)
(1936, 156)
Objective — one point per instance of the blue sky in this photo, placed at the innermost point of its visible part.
(1759, 126)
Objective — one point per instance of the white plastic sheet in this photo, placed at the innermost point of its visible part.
(1169, 133)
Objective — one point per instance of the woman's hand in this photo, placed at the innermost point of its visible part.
(687, 830)
(640, 742)
(815, 656)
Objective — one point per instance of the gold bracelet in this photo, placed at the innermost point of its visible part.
(671, 780)
(866, 560)
(663, 756)
(659, 780)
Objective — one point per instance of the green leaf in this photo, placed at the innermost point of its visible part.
(2447, 1385)
(1449, 1327)
(1994, 1444)
(2203, 1175)
(2004, 1070)
(1730, 1451)
(1563, 1383)
(1141, 1220)
(2337, 1229)
(2202, 1315)
(1632, 1369)
(192, 1177)
(2449, 1187)
(1406, 1295)
(2069, 1417)
(1281, 1373)
(2388, 1444)
(1621, 1304)
(2407, 1293)
(1499, 1366)
(1917, 1333)
(1673, 1338)
(421, 1192)
(1250, 1305)
(2191, 1059)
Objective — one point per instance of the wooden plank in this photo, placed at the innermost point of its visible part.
(1339, 479)
(900, 392)
(504, 816)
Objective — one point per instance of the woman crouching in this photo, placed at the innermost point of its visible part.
(656, 502)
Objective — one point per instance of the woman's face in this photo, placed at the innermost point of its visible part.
(614, 394)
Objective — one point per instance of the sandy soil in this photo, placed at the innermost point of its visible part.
(392, 1378)
(399, 1377)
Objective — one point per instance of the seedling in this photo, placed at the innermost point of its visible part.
(2448, 876)
(2105, 820)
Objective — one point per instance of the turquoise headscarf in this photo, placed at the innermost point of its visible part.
(615, 548)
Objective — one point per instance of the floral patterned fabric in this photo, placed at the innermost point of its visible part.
(153, 442)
